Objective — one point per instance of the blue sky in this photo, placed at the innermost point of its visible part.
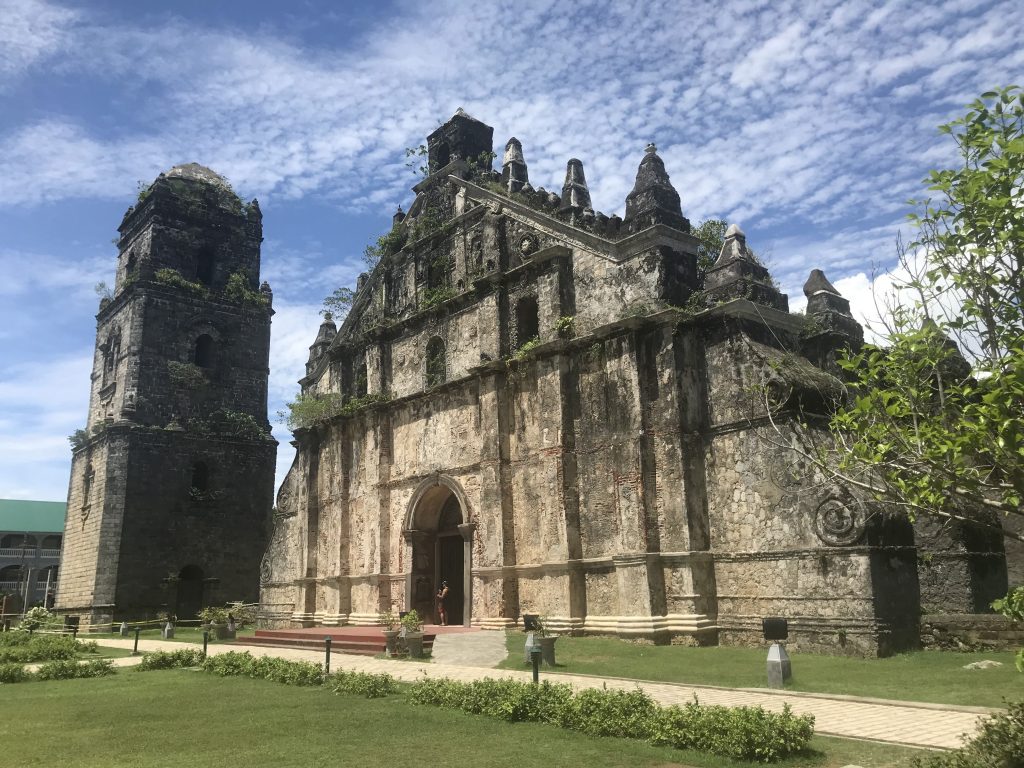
(809, 124)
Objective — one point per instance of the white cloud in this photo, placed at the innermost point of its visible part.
(30, 32)
(44, 402)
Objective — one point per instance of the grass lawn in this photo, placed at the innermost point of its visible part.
(182, 717)
(932, 676)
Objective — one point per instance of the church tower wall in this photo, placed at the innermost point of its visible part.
(177, 457)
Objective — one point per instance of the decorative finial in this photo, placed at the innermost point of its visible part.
(650, 149)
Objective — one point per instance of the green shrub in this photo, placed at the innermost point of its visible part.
(999, 744)
(229, 664)
(363, 684)
(13, 638)
(34, 648)
(276, 670)
(36, 617)
(67, 670)
(288, 672)
(13, 673)
(625, 714)
(745, 733)
(187, 657)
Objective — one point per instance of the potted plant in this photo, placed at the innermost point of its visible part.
(412, 628)
(543, 637)
(390, 623)
(216, 618)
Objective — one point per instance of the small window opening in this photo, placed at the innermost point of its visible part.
(203, 355)
(204, 266)
(436, 363)
(200, 477)
(527, 320)
(361, 381)
(90, 477)
(444, 155)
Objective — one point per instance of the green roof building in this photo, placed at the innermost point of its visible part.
(31, 534)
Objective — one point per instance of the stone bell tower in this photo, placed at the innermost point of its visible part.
(172, 478)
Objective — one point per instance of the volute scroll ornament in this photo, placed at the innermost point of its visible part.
(840, 520)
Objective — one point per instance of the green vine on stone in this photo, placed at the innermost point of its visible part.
(186, 375)
(174, 278)
(434, 297)
(238, 291)
(565, 326)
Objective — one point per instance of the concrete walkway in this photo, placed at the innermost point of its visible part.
(485, 648)
(909, 724)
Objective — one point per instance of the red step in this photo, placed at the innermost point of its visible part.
(366, 641)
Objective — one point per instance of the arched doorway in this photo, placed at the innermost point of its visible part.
(190, 592)
(436, 531)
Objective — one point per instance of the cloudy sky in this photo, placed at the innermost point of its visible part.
(810, 128)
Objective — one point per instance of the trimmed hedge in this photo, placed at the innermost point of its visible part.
(745, 733)
(68, 670)
(13, 673)
(999, 744)
(26, 649)
(187, 657)
(363, 684)
(244, 664)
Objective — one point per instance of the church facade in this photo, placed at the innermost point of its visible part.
(569, 414)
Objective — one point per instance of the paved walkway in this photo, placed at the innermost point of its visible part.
(906, 723)
(485, 648)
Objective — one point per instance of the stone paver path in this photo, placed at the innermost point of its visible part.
(925, 725)
(469, 649)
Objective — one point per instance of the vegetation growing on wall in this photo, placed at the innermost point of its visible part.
(238, 291)
(175, 279)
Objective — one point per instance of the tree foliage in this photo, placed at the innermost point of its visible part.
(711, 234)
(935, 420)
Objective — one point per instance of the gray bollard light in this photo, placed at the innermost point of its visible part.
(135, 648)
(327, 655)
(206, 641)
(535, 654)
(779, 668)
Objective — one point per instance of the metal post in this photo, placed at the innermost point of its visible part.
(74, 632)
(135, 649)
(206, 640)
(327, 656)
(535, 660)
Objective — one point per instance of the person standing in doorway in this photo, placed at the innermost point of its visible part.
(442, 594)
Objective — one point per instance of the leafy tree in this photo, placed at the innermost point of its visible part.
(934, 422)
(711, 234)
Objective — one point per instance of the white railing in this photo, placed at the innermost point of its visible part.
(29, 553)
(18, 587)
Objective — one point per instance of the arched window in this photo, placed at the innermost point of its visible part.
(51, 542)
(200, 477)
(204, 266)
(527, 320)
(203, 355)
(11, 573)
(130, 265)
(437, 365)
